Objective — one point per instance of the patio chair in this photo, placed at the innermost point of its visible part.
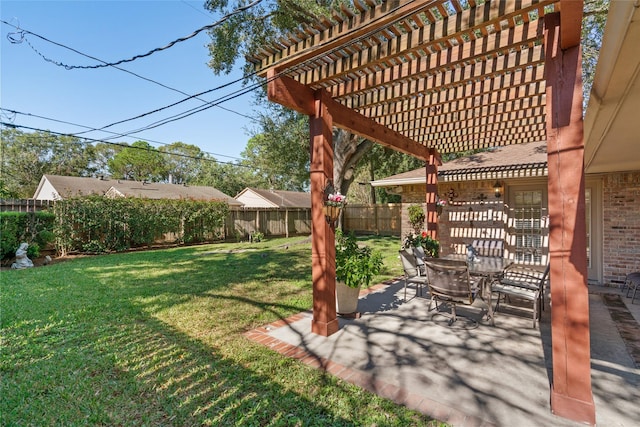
(411, 272)
(418, 252)
(631, 283)
(524, 283)
(448, 282)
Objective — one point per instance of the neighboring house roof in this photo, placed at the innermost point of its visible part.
(511, 161)
(54, 187)
(254, 197)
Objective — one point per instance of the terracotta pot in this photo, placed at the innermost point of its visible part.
(346, 298)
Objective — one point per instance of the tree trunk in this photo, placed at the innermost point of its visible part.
(348, 149)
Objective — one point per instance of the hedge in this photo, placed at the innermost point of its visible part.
(35, 228)
(97, 224)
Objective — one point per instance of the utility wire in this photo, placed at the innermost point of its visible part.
(119, 144)
(21, 36)
(236, 93)
(14, 112)
(257, 85)
(157, 110)
(196, 9)
(196, 96)
(193, 110)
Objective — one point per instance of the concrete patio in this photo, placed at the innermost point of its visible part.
(464, 375)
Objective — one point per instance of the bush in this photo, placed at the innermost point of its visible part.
(416, 217)
(256, 236)
(35, 228)
(99, 224)
(33, 251)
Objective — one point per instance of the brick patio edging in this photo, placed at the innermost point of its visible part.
(399, 395)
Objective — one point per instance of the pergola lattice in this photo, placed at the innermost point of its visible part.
(426, 77)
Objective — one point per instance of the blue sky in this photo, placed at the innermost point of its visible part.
(113, 30)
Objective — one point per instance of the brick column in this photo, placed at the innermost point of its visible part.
(571, 395)
(323, 250)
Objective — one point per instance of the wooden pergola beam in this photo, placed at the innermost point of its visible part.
(291, 94)
(466, 22)
(570, 23)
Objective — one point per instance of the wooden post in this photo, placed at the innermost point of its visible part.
(323, 249)
(571, 395)
(431, 196)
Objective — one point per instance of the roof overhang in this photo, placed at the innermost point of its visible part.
(612, 134)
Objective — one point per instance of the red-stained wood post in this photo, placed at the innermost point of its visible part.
(571, 394)
(323, 249)
(431, 196)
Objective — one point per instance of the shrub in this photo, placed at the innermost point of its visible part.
(31, 227)
(99, 224)
(416, 217)
(256, 236)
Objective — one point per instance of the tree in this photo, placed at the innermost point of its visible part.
(104, 153)
(279, 154)
(228, 178)
(381, 162)
(247, 32)
(28, 156)
(139, 162)
(594, 19)
(182, 162)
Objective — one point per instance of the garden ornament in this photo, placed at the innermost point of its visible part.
(22, 261)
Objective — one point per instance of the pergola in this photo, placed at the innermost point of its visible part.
(427, 77)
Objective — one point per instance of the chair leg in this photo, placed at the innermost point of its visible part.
(453, 314)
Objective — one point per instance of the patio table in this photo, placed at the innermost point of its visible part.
(487, 268)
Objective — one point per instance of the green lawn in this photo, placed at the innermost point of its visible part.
(155, 338)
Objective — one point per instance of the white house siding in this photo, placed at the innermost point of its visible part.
(252, 200)
(47, 192)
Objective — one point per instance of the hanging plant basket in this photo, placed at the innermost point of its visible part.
(331, 213)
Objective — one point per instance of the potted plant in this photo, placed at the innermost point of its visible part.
(355, 267)
(430, 245)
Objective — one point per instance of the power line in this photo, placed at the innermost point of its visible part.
(194, 110)
(14, 112)
(87, 140)
(195, 8)
(21, 37)
(257, 85)
(157, 110)
(196, 96)
(231, 96)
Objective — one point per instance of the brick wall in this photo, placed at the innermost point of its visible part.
(621, 226)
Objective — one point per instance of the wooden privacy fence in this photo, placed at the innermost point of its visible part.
(24, 205)
(383, 219)
(270, 221)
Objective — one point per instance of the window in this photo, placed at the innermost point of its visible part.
(528, 225)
